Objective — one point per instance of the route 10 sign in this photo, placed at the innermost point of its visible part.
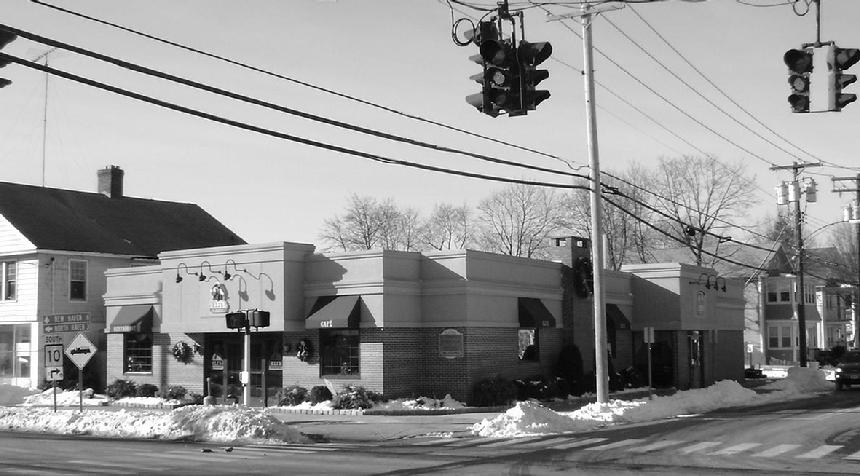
(80, 351)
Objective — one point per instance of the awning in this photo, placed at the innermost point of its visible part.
(335, 312)
(533, 313)
(616, 317)
(133, 318)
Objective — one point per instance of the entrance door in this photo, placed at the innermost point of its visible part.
(225, 355)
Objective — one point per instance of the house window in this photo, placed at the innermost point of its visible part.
(10, 279)
(784, 296)
(771, 296)
(77, 280)
(528, 344)
(138, 352)
(779, 337)
(339, 351)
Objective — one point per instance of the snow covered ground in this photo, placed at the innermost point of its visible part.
(238, 424)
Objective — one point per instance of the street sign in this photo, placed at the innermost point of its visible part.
(649, 335)
(53, 356)
(80, 351)
(76, 322)
(54, 374)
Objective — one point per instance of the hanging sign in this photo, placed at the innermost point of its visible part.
(217, 362)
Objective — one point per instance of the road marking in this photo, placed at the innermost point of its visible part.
(776, 450)
(655, 446)
(822, 450)
(735, 449)
(617, 444)
(577, 443)
(510, 442)
(699, 446)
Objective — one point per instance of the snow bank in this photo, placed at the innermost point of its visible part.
(421, 403)
(202, 423)
(531, 418)
(65, 398)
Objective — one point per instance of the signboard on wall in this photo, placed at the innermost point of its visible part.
(217, 362)
(451, 344)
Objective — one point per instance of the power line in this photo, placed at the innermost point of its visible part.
(293, 80)
(269, 132)
(268, 105)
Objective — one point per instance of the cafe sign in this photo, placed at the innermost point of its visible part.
(218, 304)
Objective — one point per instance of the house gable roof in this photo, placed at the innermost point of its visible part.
(68, 220)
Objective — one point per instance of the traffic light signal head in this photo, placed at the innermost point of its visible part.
(799, 64)
(499, 79)
(839, 59)
(6, 37)
(529, 55)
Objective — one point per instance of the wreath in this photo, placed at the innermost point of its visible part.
(183, 352)
(303, 350)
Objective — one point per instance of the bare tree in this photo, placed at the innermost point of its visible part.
(518, 219)
(358, 228)
(697, 193)
(625, 214)
(847, 244)
(448, 227)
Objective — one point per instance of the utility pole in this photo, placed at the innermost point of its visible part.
(600, 355)
(794, 196)
(853, 216)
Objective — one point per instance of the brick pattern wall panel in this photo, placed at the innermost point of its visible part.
(403, 356)
(188, 375)
(441, 375)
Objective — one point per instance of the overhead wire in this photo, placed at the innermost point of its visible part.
(269, 132)
(268, 105)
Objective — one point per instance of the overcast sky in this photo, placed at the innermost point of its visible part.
(399, 53)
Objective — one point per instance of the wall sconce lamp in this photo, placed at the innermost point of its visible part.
(717, 283)
(179, 277)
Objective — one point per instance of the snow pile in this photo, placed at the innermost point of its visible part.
(65, 398)
(801, 380)
(421, 403)
(203, 423)
(530, 418)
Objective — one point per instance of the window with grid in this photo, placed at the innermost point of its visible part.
(77, 280)
(339, 351)
(137, 348)
(10, 280)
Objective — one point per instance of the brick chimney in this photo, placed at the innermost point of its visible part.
(110, 181)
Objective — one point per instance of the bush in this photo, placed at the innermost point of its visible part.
(355, 397)
(493, 391)
(291, 396)
(175, 392)
(121, 389)
(320, 393)
(147, 390)
(193, 399)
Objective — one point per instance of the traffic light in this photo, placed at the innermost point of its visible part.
(839, 59)
(530, 55)
(236, 320)
(499, 79)
(6, 37)
(799, 64)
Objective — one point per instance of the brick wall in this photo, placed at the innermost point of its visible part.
(166, 370)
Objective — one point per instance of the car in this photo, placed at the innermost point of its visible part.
(848, 370)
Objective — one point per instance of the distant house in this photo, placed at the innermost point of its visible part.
(55, 246)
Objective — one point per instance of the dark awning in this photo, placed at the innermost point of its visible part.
(533, 313)
(133, 318)
(335, 311)
(616, 317)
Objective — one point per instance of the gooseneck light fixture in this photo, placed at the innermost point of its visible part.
(179, 276)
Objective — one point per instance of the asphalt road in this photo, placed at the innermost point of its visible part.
(813, 436)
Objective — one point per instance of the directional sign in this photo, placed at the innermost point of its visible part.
(54, 373)
(76, 322)
(80, 351)
(53, 356)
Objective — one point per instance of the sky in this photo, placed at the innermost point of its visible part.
(400, 54)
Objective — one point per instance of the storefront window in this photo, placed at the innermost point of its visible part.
(528, 344)
(138, 352)
(14, 351)
(339, 351)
